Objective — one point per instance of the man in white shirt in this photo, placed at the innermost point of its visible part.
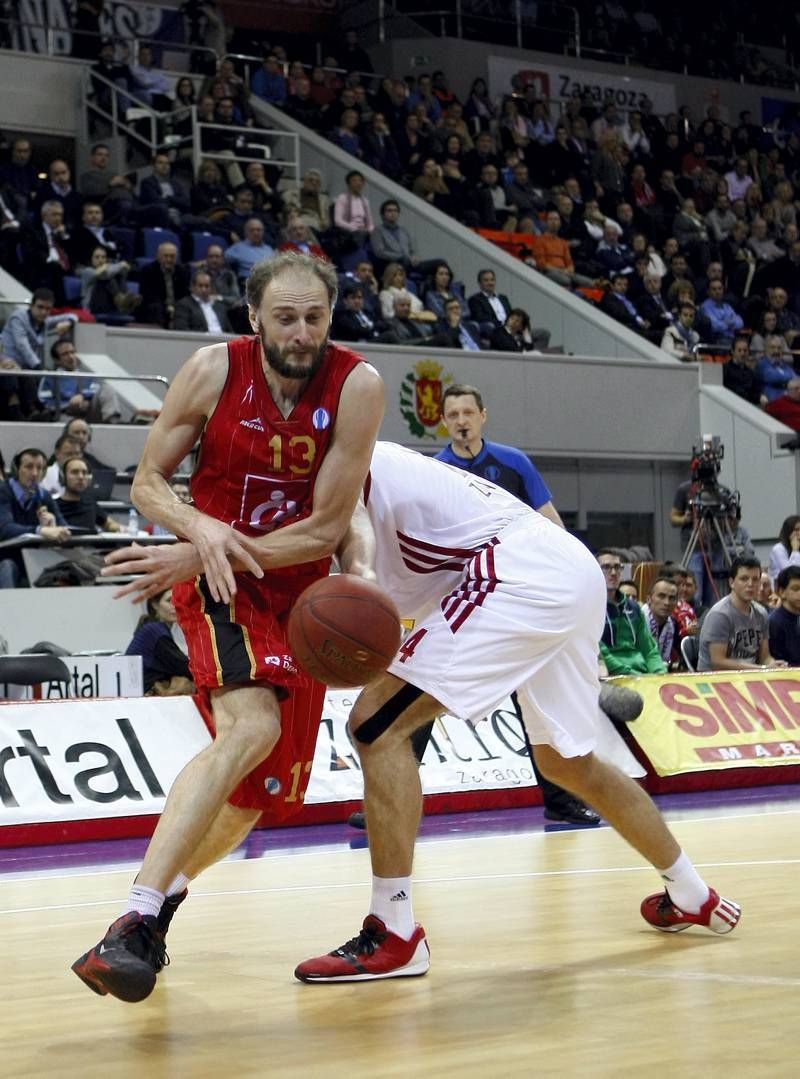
(197, 312)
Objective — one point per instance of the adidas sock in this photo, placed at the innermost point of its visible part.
(391, 902)
(686, 887)
(180, 883)
(144, 900)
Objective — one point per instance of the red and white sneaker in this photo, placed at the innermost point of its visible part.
(374, 953)
(717, 914)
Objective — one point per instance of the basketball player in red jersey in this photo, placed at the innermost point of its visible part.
(287, 424)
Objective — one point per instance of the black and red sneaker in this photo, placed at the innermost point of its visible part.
(374, 953)
(167, 913)
(126, 960)
(718, 914)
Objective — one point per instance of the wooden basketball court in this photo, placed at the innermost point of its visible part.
(541, 964)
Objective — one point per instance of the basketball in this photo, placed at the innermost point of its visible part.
(344, 631)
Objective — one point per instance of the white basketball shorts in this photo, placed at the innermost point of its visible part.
(527, 615)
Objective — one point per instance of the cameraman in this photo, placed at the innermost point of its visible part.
(710, 559)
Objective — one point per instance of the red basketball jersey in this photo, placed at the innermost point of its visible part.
(256, 470)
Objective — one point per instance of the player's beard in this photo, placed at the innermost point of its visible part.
(286, 363)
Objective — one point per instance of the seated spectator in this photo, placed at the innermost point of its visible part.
(774, 371)
(350, 321)
(431, 186)
(22, 346)
(19, 174)
(233, 222)
(165, 668)
(46, 247)
(243, 256)
(661, 600)
(683, 612)
(455, 332)
(680, 337)
(210, 195)
(300, 103)
(724, 321)
(26, 507)
(612, 255)
(394, 284)
(364, 275)
(786, 551)
(784, 621)
(118, 73)
(629, 589)
(268, 81)
(224, 285)
(57, 187)
(734, 634)
(787, 321)
(615, 303)
(104, 286)
(96, 181)
(491, 204)
(310, 201)
(81, 431)
(345, 133)
(82, 395)
(690, 231)
(480, 112)
(163, 189)
(379, 150)
(515, 333)
(298, 237)
(437, 290)
(786, 408)
(151, 85)
(91, 233)
(487, 307)
(162, 283)
(762, 244)
(627, 645)
(65, 447)
(650, 304)
(198, 312)
(721, 219)
(785, 271)
(390, 242)
(552, 254)
(77, 504)
(402, 328)
(182, 105)
(738, 374)
(351, 209)
(766, 326)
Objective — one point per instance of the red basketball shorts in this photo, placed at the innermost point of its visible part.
(242, 642)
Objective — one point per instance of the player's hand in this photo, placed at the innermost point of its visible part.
(159, 567)
(218, 545)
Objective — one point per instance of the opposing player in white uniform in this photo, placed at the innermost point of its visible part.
(502, 599)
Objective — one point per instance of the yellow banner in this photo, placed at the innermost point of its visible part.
(705, 721)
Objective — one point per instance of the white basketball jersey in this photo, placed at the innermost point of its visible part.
(430, 521)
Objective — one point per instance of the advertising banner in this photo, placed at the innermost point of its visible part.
(715, 720)
(557, 81)
(90, 676)
(120, 20)
(84, 759)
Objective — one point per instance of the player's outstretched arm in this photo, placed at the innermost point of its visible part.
(189, 403)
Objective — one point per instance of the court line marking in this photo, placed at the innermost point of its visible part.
(653, 975)
(289, 889)
(10, 878)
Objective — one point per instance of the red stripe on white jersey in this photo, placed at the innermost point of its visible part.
(471, 594)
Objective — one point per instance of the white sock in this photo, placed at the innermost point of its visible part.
(391, 902)
(178, 885)
(144, 900)
(686, 887)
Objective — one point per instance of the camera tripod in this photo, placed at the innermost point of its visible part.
(721, 531)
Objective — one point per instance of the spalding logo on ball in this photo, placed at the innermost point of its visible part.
(344, 631)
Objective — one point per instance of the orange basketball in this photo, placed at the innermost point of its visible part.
(344, 631)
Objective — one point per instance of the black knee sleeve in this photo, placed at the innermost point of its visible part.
(378, 723)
